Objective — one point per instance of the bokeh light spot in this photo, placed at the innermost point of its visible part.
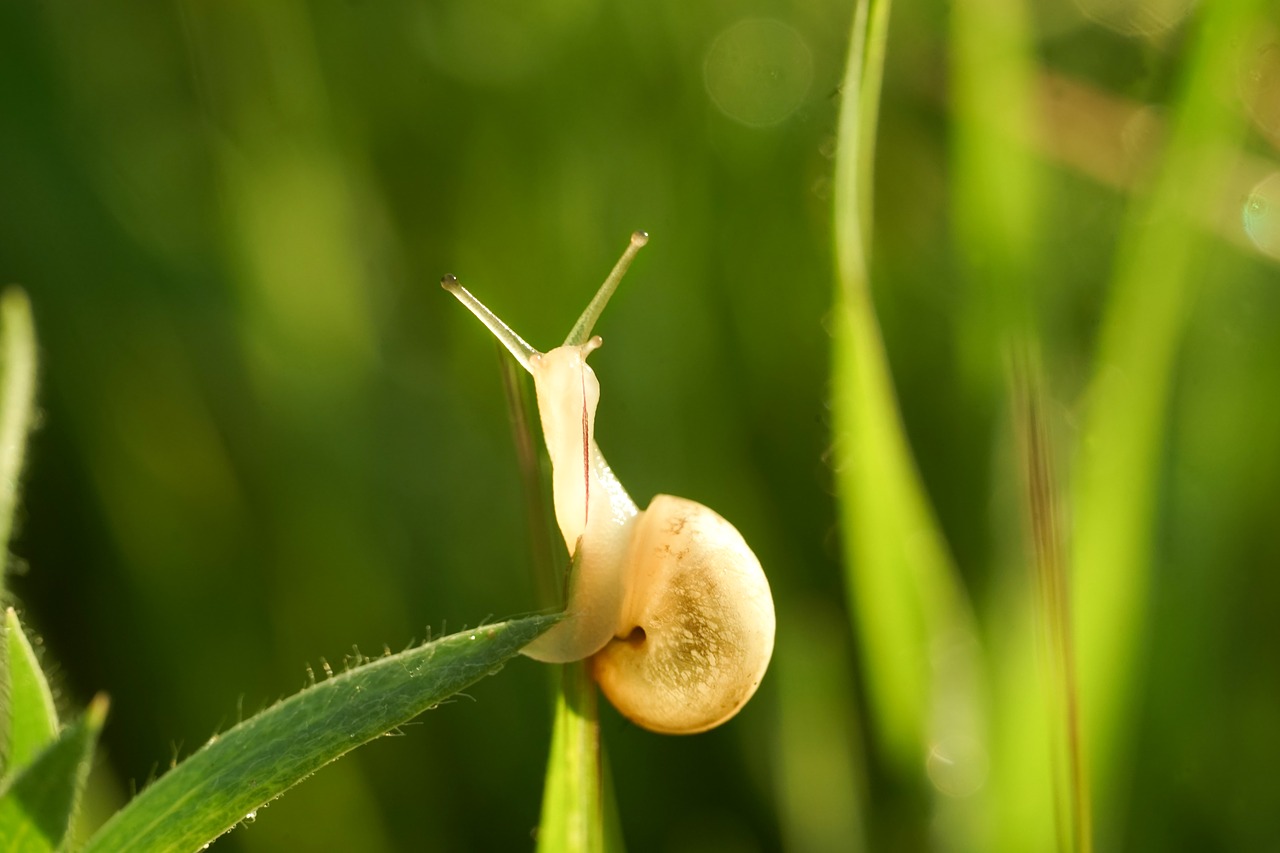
(957, 766)
(1262, 215)
(758, 71)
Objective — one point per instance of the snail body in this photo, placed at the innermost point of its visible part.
(669, 603)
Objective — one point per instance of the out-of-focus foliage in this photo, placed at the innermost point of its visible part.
(266, 435)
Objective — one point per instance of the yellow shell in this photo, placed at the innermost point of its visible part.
(697, 626)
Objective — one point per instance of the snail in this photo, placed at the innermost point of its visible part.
(669, 604)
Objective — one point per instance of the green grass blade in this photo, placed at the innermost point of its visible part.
(37, 804)
(995, 196)
(995, 207)
(544, 535)
(17, 400)
(255, 762)
(864, 414)
(913, 624)
(1117, 470)
(855, 161)
(575, 817)
(820, 780)
(32, 719)
(1044, 517)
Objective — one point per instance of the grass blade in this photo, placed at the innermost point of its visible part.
(37, 804)
(31, 717)
(865, 413)
(544, 538)
(258, 760)
(1053, 609)
(17, 401)
(820, 782)
(914, 626)
(996, 211)
(995, 198)
(1116, 477)
(574, 815)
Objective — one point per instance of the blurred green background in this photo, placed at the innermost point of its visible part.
(267, 435)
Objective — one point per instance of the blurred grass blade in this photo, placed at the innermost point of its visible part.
(37, 804)
(994, 203)
(574, 814)
(821, 781)
(1053, 608)
(30, 715)
(913, 624)
(544, 539)
(865, 414)
(995, 217)
(855, 161)
(240, 771)
(1116, 478)
(17, 400)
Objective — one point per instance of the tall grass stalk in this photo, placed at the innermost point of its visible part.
(1116, 477)
(17, 405)
(1044, 518)
(913, 623)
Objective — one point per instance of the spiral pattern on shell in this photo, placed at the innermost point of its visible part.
(697, 626)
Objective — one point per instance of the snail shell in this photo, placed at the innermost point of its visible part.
(697, 625)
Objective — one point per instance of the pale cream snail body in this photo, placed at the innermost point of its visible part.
(668, 603)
